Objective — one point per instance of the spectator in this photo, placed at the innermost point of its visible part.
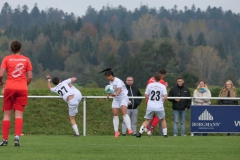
(179, 106)
(202, 91)
(228, 90)
(133, 104)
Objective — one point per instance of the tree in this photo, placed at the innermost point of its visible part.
(220, 48)
(165, 32)
(146, 27)
(164, 54)
(200, 41)
(206, 63)
(179, 37)
(190, 40)
(123, 35)
(123, 52)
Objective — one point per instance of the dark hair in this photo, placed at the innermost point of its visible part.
(16, 46)
(162, 71)
(55, 80)
(108, 73)
(157, 76)
(180, 77)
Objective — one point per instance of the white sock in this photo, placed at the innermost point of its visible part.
(142, 129)
(164, 131)
(115, 123)
(75, 128)
(16, 136)
(127, 121)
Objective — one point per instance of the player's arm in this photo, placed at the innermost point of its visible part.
(164, 97)
(73, 79)
(29, 77)
(118, 92)
(146, 96)
(2, 71)
(49, 82)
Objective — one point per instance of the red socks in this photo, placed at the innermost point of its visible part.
(5, 129)
(18, 126)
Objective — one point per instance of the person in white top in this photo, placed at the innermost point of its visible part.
(69, 94)
(156, 94)
(120, 100)
(202, 91)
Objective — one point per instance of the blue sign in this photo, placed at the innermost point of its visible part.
(215, 119)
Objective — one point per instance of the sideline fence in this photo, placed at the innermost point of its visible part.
(84, 99)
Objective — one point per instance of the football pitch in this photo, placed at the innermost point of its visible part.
(124, 147)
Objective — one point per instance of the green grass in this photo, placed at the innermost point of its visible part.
(128, 147)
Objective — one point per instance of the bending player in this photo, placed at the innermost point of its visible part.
(120, 100)
(155, 121)
(156, 94)
(69, 94)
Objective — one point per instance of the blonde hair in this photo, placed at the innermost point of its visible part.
(224, 90)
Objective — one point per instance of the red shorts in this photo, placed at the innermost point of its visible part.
(15, 99)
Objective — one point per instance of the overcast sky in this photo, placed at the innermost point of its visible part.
(79, 7)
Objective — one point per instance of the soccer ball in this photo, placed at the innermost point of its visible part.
(109, 89)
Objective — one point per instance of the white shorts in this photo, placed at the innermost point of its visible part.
(119, 103)
(73, 104)
(159, 114)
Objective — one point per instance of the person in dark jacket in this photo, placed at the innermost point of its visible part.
(228, 90)
(179, 106)
(133, 104)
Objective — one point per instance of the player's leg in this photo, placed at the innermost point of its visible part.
(175, 122)
(154, 123)
(148, 117)
(74, 125)
(7, 109)
(183, 123)
(115, 108)
(126, 118)
(161, 115)
(160, 128)
(73, 110)
(18, 124)
(124, 127)
(6, 127)
(133, 118)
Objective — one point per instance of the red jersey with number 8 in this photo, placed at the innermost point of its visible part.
(16, 67)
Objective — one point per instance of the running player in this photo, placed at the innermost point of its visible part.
(19, 76)
(120, 100)
(69, 94)
(156, 94)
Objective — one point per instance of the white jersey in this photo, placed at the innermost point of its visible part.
(156, 91)
(63, 89)
(118, 83)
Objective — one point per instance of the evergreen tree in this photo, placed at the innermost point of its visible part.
(165, 32)
(123, 52)
(200, 41)
(123, 35)
(179, 37)
(190, 40)
(112, 33)
(220, 48)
